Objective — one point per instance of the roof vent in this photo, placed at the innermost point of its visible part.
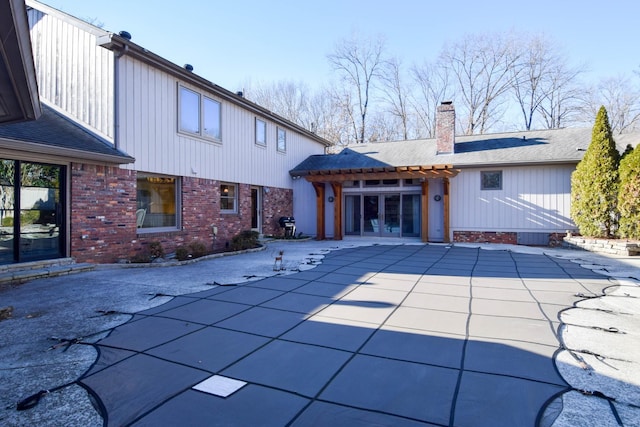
(240, 94)
(188, 67)
(125, 35)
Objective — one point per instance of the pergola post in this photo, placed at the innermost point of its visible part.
(447, 238)
(424, 218)
(337, 210)
(319, 188)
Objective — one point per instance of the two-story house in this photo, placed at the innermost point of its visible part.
(132, 149)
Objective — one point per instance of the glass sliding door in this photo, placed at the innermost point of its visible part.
(352, 215)
(379, 214)
(7, 210)
(391, 215)
(411, 215)
(370, 215)
(32, 214)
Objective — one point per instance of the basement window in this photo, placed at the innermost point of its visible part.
(491, 180)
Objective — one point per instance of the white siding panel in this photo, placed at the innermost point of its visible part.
(73, 73)
(531, 199)
(149, 109)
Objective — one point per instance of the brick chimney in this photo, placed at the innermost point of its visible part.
(445, 128)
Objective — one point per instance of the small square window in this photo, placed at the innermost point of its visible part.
(282, 140)
(491, 180)
(261, 132)
(228, 198)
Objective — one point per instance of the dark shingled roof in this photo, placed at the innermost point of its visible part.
(58, 135)
(516, 148)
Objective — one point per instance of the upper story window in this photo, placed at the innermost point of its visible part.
(228, 198)
(261, 132)
(282, 140)
(199, 115)
(491, 180)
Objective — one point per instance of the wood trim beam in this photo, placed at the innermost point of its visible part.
(403, 172)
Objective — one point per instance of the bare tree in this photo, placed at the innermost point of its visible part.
(563, 98)
(621, 98)
(433, 87)
(396, 94)
(545, 85)
(484, 67)
(359, 63)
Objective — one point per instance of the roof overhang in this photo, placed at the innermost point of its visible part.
(387, 172)
(19, 99)
(67, 154)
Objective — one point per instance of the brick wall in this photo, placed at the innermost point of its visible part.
(103, 221)
(277, 202)
(103, 212)
(485, 237)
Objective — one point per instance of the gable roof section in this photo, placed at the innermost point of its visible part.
(541, 147)
(123, 46)
(54, 134)
(18, 87)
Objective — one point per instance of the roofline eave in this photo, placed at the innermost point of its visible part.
(70, 153)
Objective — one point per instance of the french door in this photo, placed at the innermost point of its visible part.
(385, 215)
(31, 211)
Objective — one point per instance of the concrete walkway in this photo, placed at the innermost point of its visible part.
(370, 334)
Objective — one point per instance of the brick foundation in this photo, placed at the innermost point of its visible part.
(103, 222)
(485, 237)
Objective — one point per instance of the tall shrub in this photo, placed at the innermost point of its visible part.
(629, 195)
(594, 183)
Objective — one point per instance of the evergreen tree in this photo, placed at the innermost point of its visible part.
(629, 195)
(594, 183)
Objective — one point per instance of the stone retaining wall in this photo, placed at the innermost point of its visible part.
(606, 246)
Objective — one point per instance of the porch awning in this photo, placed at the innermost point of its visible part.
(382, 172)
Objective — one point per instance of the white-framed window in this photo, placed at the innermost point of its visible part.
(491, 180)
(282, 140)
(228, 198)
(261, 132)
(158, 202)
(198, 114)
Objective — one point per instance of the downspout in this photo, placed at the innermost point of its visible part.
(116, 97)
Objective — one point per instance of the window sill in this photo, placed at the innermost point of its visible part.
(157, 230)
(199, 137)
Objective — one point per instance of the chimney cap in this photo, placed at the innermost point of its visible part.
(446, 102)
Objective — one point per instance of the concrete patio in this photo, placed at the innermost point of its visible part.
(351, 333)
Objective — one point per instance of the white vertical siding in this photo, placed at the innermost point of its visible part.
(148, 106)
(73, 73)
(533, 198)
(304, 207)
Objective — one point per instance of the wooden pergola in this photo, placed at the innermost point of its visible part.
(336, 178)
